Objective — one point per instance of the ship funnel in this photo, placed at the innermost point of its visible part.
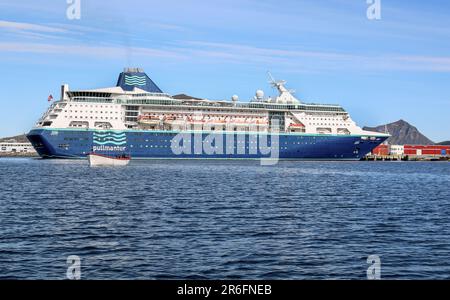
(64, 90)
(132, 78)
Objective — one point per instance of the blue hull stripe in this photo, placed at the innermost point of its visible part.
(77, 143)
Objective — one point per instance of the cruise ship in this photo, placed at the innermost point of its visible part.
(137, 118)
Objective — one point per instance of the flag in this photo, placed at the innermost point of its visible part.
(50, 98)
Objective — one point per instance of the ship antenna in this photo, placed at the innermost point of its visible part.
(272, 80)
(278, 84)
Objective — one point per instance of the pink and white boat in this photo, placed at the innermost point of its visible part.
(96, 159)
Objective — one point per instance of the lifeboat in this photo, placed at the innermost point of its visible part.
(262, 123)
(169, 120)
(296, 127)
(150, 120)
(216, 122)
(196, 121)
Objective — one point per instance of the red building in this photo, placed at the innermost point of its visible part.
(415, 150)
(381, 150)
(422, 150)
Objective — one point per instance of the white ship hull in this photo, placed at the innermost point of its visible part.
(103, 160)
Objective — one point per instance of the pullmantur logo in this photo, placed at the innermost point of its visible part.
(135, 80)
(234, 140)
(109, 141)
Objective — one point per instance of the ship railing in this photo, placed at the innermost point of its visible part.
(92, 99)
(161, 100)
(321, 104)
(205, 113)
(48, 111)
(145, 95)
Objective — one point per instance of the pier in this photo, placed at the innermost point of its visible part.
(409, 153)
(18, 154)
(372, 157)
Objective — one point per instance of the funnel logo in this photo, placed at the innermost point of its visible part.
(135, 80)
(109, 141)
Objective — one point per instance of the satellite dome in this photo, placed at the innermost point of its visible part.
(259, 94)
(235, 98)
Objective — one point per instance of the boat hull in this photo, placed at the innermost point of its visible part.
(77, 143)
(102, 160)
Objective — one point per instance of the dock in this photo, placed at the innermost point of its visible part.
(18, 154)
(372, 157)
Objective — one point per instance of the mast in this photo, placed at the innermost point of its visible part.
(285, 96)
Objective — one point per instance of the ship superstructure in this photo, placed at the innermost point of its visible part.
(135, 116)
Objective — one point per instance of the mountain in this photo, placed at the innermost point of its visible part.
(16, 139)
(402, 133)
(446, 143)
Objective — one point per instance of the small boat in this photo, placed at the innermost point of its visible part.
(96, 159)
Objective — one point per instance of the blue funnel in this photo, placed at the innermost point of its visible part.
(134, 77)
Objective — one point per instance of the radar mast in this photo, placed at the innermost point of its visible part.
(285, 96)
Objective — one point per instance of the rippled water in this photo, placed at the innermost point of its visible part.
(224, 219)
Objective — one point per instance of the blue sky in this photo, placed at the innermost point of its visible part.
(328, 51)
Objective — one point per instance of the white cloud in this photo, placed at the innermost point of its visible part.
(164, 26)
(29, 27)
(106, 51)
(312, 61)
(221, 53)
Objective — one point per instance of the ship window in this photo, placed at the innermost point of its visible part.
(323, 130)
(84, 124)
(343, 131)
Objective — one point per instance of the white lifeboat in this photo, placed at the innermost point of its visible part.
(96, 159)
